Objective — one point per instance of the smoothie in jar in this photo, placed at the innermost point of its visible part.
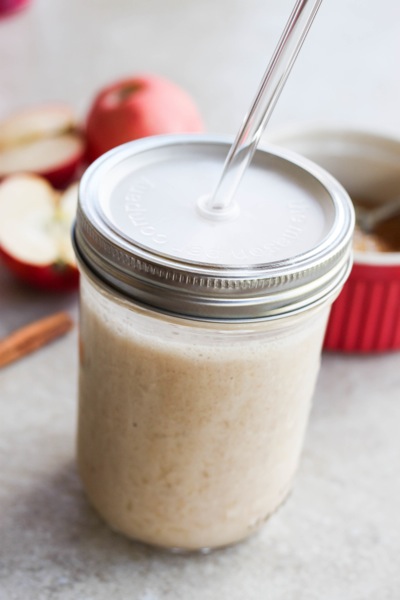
(200, 338)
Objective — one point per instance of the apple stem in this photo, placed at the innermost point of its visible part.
(128, 90)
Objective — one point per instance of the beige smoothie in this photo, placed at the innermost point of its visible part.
(201, 334)
(190, 433)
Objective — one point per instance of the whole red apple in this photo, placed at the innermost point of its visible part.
(138, 107)
(35, 232)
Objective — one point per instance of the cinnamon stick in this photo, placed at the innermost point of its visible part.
(33, 336)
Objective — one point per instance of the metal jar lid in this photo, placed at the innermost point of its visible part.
(140, 227)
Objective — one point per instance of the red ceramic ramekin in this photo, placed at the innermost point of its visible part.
(366, 315)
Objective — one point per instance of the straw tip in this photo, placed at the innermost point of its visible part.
(208, 209)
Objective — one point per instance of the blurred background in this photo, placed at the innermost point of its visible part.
(67, 50)
(347, 71)
(339, 538)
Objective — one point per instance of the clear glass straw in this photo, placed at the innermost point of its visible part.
(274, 79)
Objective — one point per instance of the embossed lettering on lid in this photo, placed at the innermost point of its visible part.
(139, 226)
(155, 207)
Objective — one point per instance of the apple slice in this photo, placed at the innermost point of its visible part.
(44, 140)
(35, 231)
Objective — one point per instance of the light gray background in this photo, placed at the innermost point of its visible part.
(338, 536)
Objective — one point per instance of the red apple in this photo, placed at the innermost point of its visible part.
(138, 107)
(44, 140)
(35, 231)
(7, 7)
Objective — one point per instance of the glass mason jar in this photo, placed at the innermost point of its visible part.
(196, 376)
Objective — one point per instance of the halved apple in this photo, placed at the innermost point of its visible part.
(44, 140)
(35, 231)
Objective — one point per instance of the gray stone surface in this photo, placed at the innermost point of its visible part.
(338, 536)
